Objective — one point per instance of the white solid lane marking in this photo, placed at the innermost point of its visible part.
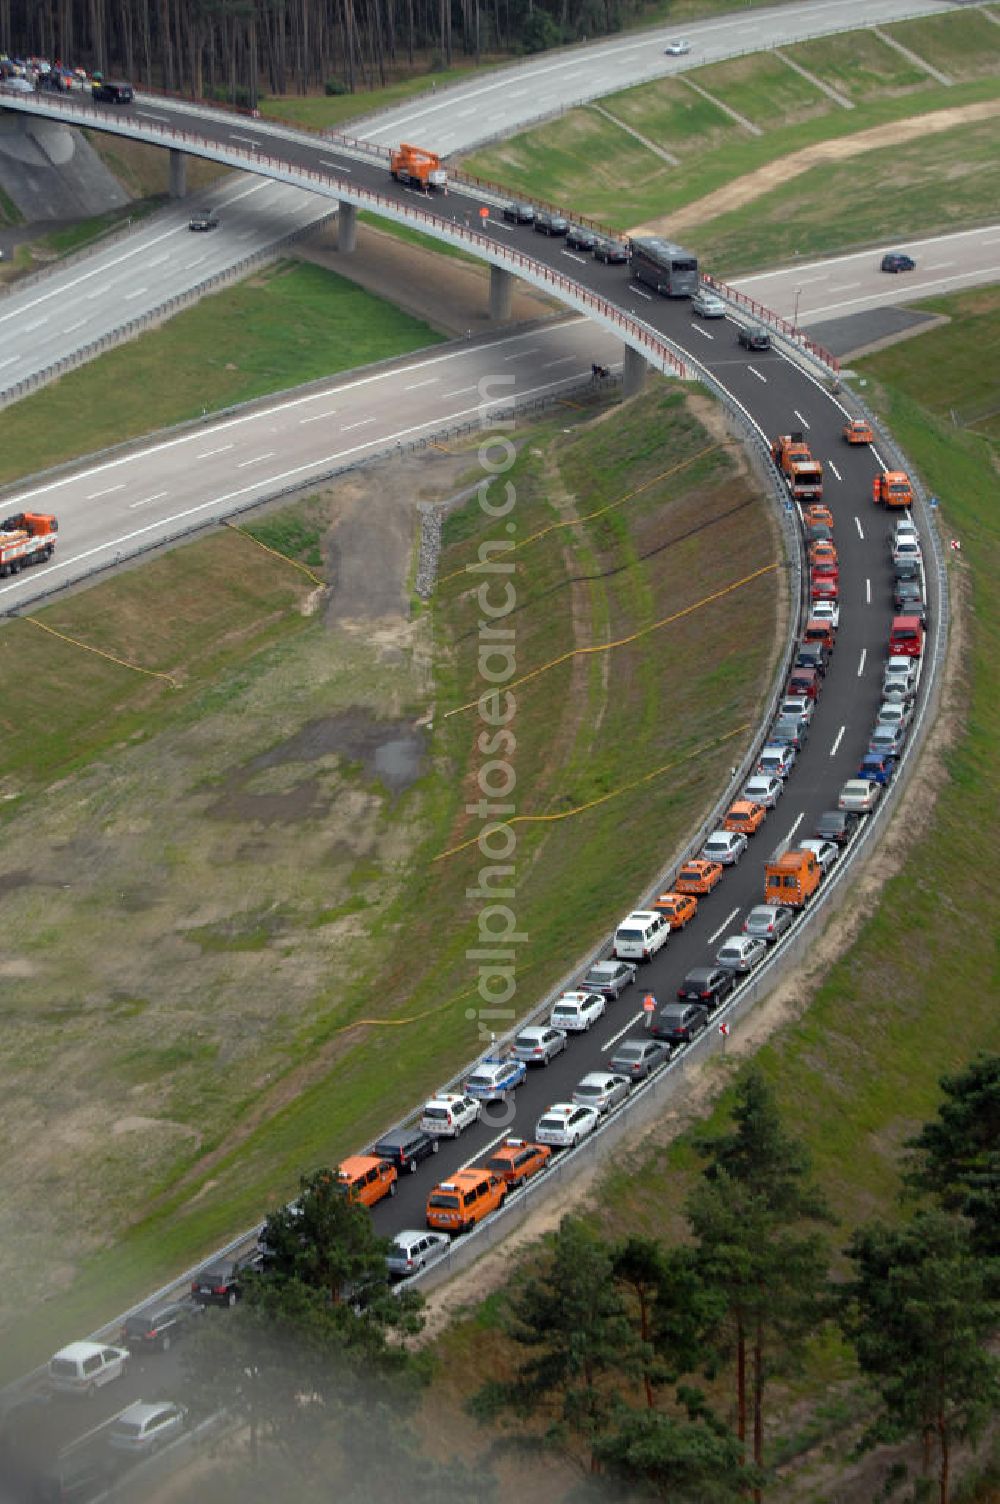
(857, 524)
(257, 459)
(316, 417)
(798, 822)
(208, 452)
(868, 592)
(861, 665)
(95, 494)
(800, 417)
(724, 925)
(249, 139)
(754, 372)
(835, 470)
(429, 381)
(703, 332)
(337, 166)
(615, 1037)
(348, 426)
(836, 741)
(157, 496)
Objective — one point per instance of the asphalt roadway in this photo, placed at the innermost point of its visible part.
(80, 304)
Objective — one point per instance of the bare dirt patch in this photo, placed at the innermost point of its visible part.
(755, 185)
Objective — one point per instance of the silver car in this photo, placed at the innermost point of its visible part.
(894, 713)
(763, 789)
(825, 852)
(768, 921)
(538, 1044)
(708, 305)
(741, 953)
(601, 1089)
(141, 1428)
(725, 846)
(415, 1249)
(887, 739)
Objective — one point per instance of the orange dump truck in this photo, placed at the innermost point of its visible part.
(26, 538)
(792, 879)
(414, 165)
(803, 474)
(892, 489)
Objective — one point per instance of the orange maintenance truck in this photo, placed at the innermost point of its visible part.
(420, 168)
(892, 489)
(792, 879)
(26, 538)
(803, 474)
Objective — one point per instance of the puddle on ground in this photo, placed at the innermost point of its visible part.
(390, 751)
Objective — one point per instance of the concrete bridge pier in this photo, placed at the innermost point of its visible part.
(178, 173)
(501, 293)
(634, 373)
(347, 227)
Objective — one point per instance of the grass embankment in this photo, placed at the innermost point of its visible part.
(915, 995)
(288, 324)
(586, 160)
(226, 890)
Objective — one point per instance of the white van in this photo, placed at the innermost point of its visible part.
(641, 935)
(83, 1367)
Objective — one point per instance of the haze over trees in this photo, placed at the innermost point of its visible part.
(241, 47)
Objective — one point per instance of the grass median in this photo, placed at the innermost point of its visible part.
(230, 885)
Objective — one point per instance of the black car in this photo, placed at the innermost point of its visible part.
(112, 93)
(837, 825)
(706, 985)
(898, 261)
(550, 224)
(811, 655)
(580, 238)
(906, 569)
(908, 598)
(611, 252)
(519, 214)
(679, 1023)
(406, 1147)
(789, 731)
(159, 1327)
(753, 337)
(222, 1283)
(204, 219)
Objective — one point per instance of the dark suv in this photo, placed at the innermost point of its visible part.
(519, 214)
(753, 337)
(898, 261)
(406, 1147)
(222, 1283)
(706, 985)
(159, 1327)
(550, 224)
(836, 825)
(110, 93)
(204, 219)
(679, 1023)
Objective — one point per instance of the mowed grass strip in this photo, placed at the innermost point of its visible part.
(914, 997)
(586, 729)
(964, 45)
(765, 90)
(860, 65)
(288, 324)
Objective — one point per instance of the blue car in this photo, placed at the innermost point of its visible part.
(495, 1078)
(876, 767)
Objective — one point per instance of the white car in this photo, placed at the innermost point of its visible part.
(564, 1124)
(906, 528)
(708, 305)
(905, 547)
(763, 789)
(725, 846)
(859, 795)
(826, 611)
(575, 1012)
(894, 713)
(18, 86)
(449, 1114)
(825, 852)
(85, 1367)
(800, 706)
(900, 663)
(678, 48)
(640, 935)
(141, 1428)
(741, 953)
(601, 1090)
(776, 761)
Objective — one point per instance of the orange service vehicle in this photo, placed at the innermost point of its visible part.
(517, 1160)
(820, 629)
(816, 512)
(857, 431)
(366, 1179)
(698, 876)
(892, 489)
(678, 908)
(419, 168)
(803, 474)
(792, 879)
(456, 1205)
(26, 538)
(745, 816)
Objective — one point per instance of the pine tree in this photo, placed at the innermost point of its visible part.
(920, 1313)
(956, 1156)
